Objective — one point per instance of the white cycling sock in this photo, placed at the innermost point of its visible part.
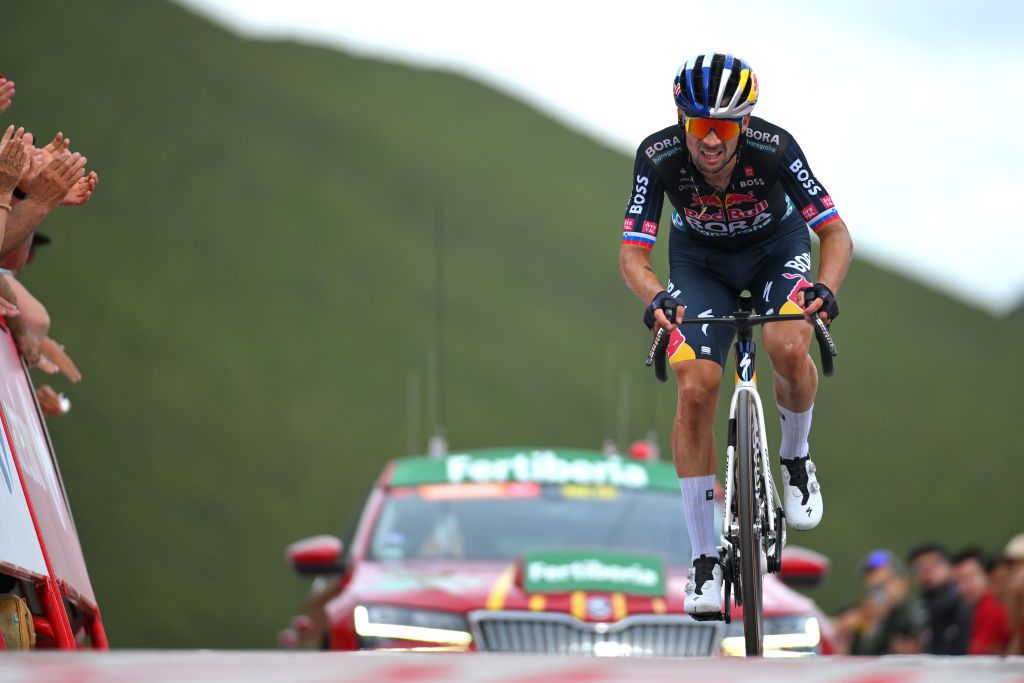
(699, 507)
(795, 429)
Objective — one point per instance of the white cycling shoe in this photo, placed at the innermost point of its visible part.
(802, 498)
(704, 590)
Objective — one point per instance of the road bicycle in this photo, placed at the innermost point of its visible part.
(754, 530)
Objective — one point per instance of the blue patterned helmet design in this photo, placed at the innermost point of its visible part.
(715, 85)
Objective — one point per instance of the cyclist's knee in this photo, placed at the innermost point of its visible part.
(698, 382)
(788, 348)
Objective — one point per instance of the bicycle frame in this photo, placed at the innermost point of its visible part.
(746, 383)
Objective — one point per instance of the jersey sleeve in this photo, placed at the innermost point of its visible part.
(803, 188)
(640, 226)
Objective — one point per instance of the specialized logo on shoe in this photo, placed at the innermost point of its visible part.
(797, 471)
(703, 572)
(803, 499)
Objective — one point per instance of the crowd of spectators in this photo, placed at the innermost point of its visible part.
(34, 181)
(970, 602)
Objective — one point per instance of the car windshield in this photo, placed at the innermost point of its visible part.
(500, 522)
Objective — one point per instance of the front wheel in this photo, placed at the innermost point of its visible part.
(748, 510)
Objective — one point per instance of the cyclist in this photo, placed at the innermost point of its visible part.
(743, 197)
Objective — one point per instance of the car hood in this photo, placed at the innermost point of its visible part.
(438, 584)
(465, 586)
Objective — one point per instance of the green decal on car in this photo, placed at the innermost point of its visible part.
(541, 466)
(562, 571)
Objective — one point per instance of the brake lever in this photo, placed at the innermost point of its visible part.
(826, 346)
(656, 356)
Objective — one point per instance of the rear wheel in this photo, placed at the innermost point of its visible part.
(748, 507)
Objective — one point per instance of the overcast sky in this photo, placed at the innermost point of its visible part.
(906, 110)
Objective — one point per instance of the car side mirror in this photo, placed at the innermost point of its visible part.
(802, 567)
(316, 555)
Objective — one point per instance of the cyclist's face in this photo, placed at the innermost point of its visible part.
(711, 154)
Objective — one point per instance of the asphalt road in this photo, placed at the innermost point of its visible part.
(329, 667)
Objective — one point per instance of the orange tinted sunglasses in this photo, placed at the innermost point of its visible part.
(725, 129)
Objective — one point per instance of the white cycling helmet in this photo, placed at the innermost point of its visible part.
(715, 86)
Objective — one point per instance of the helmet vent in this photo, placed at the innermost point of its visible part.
(715, 84)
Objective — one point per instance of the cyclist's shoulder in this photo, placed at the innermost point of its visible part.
(765, 137)
(662, 144)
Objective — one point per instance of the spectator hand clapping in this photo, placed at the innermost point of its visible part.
(6, 93)
(14, 160)
(56, 179)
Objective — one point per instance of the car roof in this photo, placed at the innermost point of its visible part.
(537, 465)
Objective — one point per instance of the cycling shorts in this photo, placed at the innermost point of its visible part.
(709, 281)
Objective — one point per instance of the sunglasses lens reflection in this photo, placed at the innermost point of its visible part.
(724, 129)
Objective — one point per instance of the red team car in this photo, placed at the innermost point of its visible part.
(547, 551)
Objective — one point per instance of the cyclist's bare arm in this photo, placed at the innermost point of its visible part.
(636, 269)
(836, 253)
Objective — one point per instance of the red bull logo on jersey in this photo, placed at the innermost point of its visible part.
(736, 198)
(703, 200)
(736, 206)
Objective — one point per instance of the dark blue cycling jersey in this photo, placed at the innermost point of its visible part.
(771, 190)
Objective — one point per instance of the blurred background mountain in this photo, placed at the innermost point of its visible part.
(253, 282)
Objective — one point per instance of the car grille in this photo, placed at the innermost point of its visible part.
(639, 636)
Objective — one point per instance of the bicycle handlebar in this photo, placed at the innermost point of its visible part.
(743, 319)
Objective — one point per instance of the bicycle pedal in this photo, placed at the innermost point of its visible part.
(709, 616)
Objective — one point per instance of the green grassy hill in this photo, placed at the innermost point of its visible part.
(253, 281)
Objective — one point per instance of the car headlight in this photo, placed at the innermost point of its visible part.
(783, 637)
(402, 623)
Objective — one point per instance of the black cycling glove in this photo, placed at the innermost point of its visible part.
(820, 291)
(659, 301)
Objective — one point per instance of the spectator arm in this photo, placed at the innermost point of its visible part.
(23, 221)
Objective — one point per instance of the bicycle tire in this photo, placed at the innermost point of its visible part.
(748, 509)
